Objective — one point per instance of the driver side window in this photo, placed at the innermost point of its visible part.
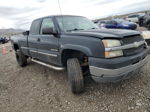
(47, 23)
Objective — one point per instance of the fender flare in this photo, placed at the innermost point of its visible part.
(80, 48)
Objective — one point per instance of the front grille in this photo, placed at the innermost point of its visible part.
(131, 40)
(132, 51)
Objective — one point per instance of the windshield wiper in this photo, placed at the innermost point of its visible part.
(75, 29)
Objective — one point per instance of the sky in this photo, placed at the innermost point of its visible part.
(20, 13)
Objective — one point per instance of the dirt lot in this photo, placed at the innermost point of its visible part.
(36, 88)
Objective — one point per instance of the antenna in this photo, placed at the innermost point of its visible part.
(61, 13)
(59, 7)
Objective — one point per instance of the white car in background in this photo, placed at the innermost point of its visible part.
(146, 35)
(133, 18)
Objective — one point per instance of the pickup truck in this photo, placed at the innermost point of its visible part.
(77, 44)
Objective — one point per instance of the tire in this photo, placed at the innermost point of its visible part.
(21, 58)
(75, 76)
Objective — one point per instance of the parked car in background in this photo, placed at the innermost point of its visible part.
(141, 19)
(146, 21)
(146, 35)
(133, 18)
(3, 40)
(117, 24)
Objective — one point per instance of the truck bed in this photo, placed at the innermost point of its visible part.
(22, 41)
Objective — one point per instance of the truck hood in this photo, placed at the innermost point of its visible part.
(104, 33)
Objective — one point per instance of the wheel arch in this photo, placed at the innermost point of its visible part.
(74, 51)
(15, 46)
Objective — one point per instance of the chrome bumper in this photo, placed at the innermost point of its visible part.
(111, 75)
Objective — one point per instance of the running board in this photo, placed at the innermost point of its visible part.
(47, 65)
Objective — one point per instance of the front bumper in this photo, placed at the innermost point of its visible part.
(107, 74)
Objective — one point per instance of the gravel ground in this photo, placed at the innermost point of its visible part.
(36, 88)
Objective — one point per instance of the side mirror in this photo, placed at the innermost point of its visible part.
(25, 33)
(49, 30)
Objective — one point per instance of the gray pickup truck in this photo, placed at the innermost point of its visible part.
(76, 43)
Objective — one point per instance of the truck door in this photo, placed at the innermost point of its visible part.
(33, 38)
(48, 46)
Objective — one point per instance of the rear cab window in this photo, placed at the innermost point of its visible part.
(47, 23)
(35, 27)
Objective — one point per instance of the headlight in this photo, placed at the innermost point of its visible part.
(110, 43)
(111, 54)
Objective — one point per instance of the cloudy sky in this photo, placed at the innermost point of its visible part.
(20, 13)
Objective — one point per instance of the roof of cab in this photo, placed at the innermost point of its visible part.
(56, 16)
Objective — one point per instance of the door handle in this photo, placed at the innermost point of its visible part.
(38, 39)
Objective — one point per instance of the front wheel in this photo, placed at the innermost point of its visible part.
(75, 75)
(21, 58)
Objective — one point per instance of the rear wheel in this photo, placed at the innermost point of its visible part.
(75, 75)
(21, 58)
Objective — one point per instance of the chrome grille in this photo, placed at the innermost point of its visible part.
(131, 40)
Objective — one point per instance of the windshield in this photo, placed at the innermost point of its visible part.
(74, 23)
